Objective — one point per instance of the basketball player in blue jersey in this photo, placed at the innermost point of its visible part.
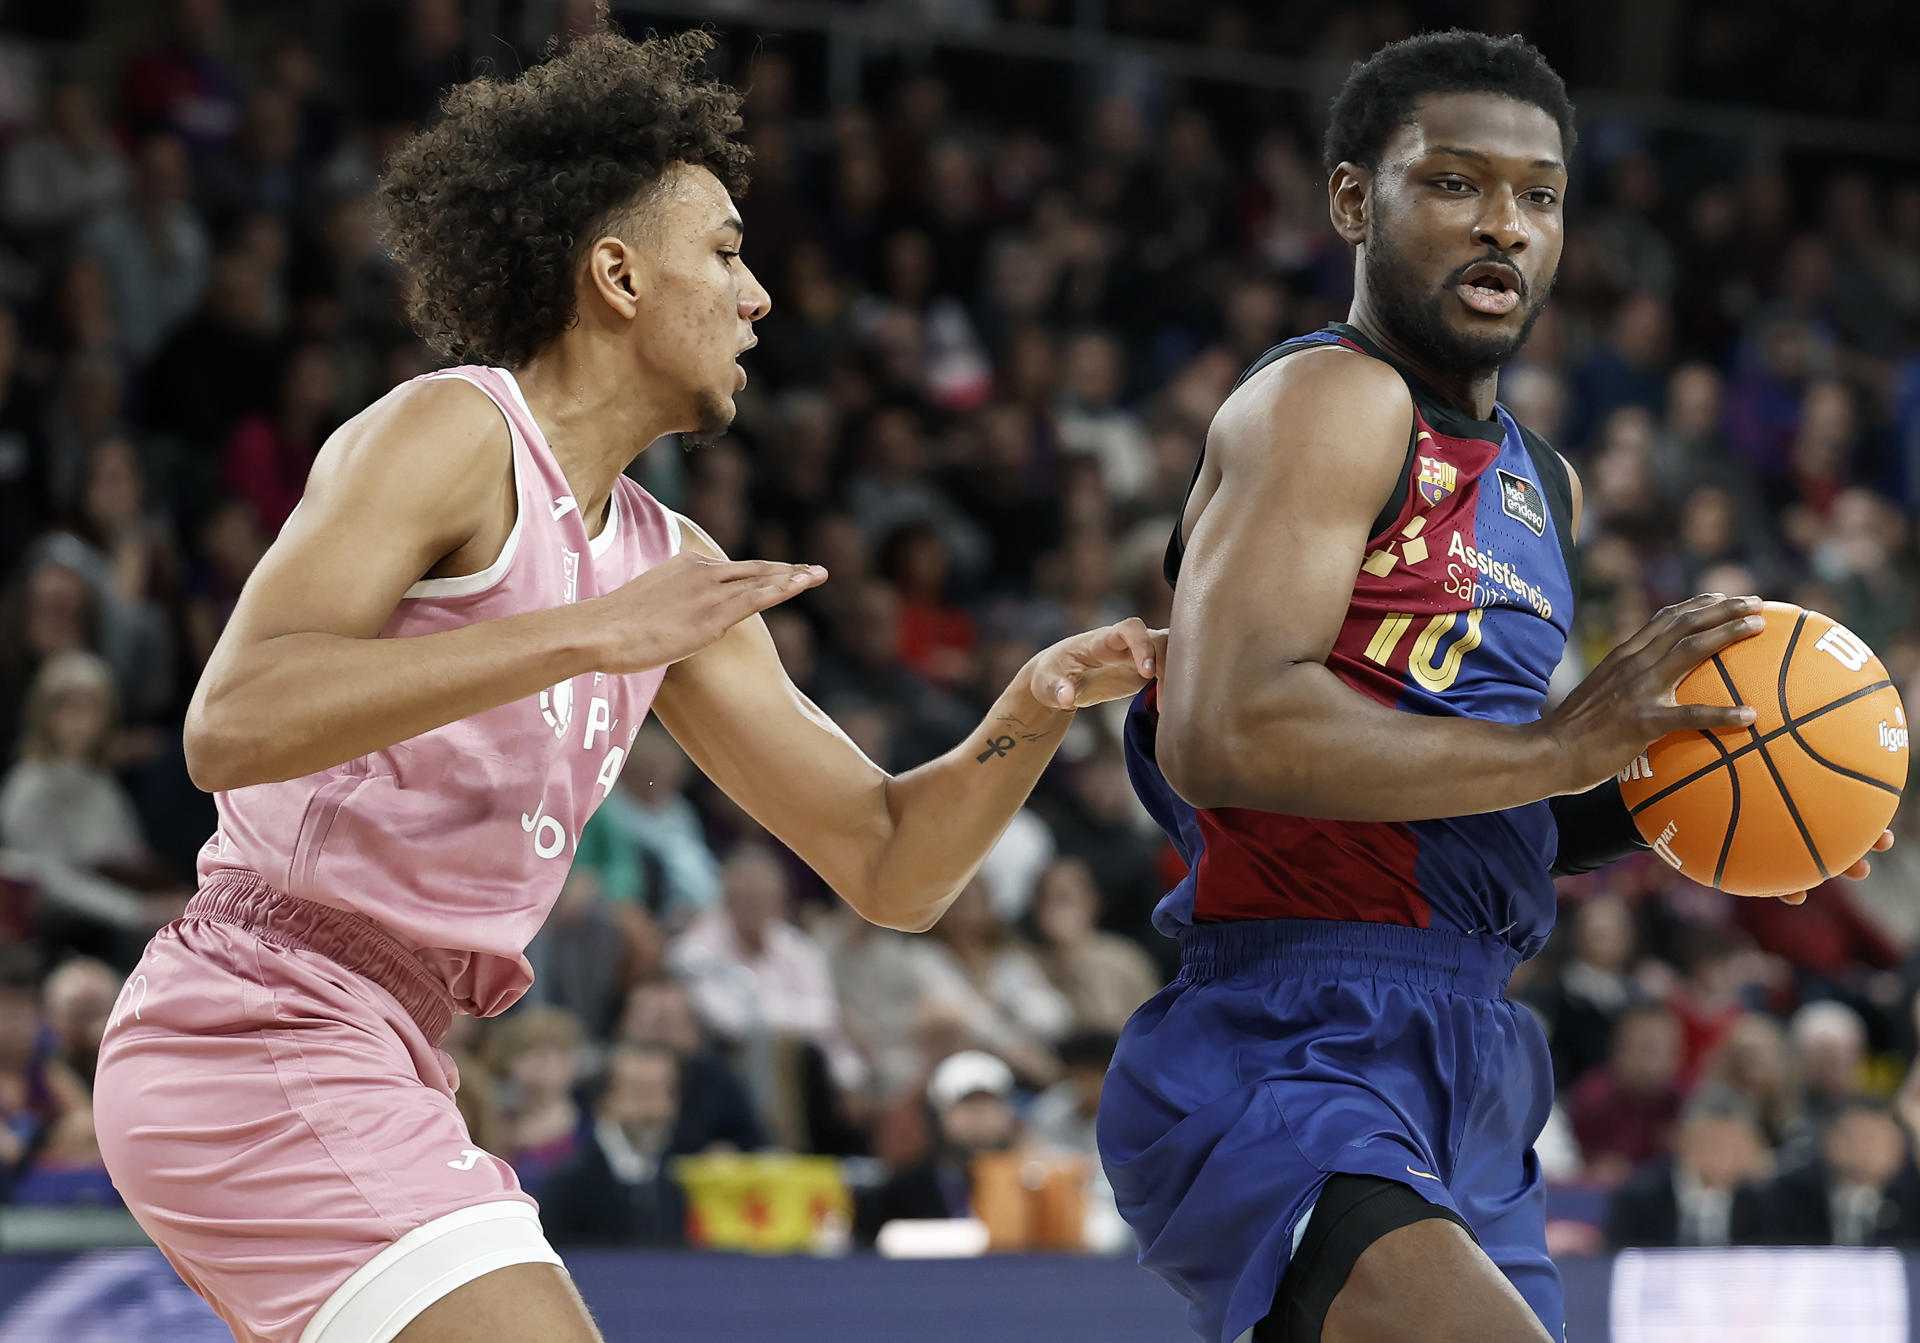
(1322, 1130)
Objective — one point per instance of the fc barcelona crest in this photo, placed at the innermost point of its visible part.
(1438, 479)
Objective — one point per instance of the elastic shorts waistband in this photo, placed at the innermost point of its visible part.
(1475, 964)
(349, 940)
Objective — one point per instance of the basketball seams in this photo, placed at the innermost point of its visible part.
(1741, 751)
(1826, 816)
(1733, 776)
(1792, 728)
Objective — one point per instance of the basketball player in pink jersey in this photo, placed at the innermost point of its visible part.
(434, 678)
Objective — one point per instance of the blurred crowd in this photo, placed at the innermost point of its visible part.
(1001, 324)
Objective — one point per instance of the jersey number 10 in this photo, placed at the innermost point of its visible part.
(1432, 669)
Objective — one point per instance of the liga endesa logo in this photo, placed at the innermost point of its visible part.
(1521, 499)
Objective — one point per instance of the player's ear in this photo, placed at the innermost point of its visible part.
(1347, 202)
(613, 272)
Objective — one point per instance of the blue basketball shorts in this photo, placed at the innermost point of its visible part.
(1290, 1050)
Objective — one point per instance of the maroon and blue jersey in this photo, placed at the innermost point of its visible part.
(1461, 607)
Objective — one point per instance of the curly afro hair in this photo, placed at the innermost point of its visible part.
(490, 208)
(1379, 95)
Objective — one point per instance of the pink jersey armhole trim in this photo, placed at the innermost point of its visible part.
(466, 585)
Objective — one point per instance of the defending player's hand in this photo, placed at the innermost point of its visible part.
(674, 610)
(1100, 665)
(1627, 702)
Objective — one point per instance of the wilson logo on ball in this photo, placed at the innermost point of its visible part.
(1846, 648)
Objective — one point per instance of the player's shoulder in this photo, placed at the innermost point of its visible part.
(440, 434)
(693, 537)
(446, 411)
(1327, 394)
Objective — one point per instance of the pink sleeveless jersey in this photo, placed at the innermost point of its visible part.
(458, 840)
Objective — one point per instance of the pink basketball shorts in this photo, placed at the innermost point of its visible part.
(283, 1125)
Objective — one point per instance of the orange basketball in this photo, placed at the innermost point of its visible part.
(1802, 794)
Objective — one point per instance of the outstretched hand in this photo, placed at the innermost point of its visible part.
(1854, 873)
(1104, 664)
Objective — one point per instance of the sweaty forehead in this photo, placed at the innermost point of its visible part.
(1492, 124)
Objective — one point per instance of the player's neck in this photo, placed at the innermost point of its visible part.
(596, 416)
(1472, 394)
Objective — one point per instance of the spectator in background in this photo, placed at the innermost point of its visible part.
(1691, 450)
(751, 972)
(1721, 975)
(1062, 1119)
(1103, 976)
(1703, 1194)
(1096, 819)
(25, 469)
(68, 171)
(590, 950)
(716, 1110)
(1582, 1004)
(63, 1166)
(125, 549)
(1062, 1116)
(537, 1052)
(988, 956)
(231, 545)
(1629, 369)
(66, 820)
(645, 842)
(892, 488)
(970, 1094)
(76, 1002)
(21, 1107)
(1623, 1110)
(1861, 1188)
(218, 368)
(181, 84)
(153, 250)
(1820, 460)
(48, 609)
(1091, 420)
(617, 1189)
(260, 170)
(952, 369)
(1830, 1045)
(936, 637)
(267, 457)
(1833, 951)
(1756, 1063)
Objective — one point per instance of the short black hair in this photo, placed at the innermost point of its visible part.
(489, 209)
(1379, 95)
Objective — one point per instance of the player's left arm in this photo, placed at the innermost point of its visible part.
(1595, 828)
(896, 848)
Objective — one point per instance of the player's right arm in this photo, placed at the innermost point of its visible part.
(300, 681)
(1307, 453)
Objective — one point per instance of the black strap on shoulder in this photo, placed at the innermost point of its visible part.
(1176, 544)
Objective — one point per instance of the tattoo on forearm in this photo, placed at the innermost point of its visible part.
(1003, 743)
